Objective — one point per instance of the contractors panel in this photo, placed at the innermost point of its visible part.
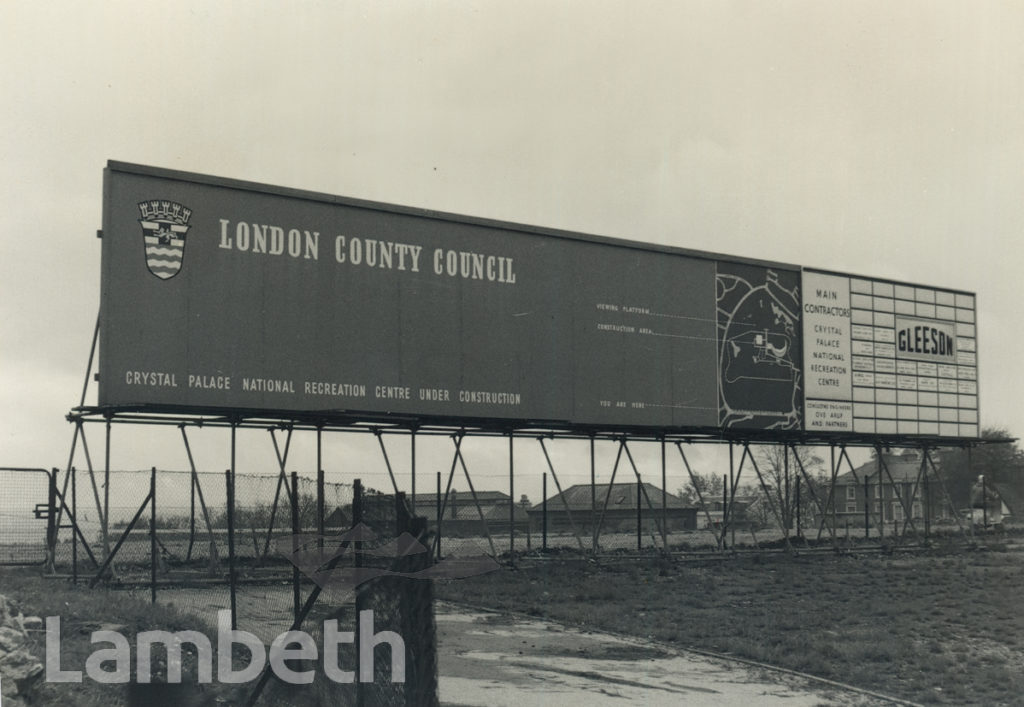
(889, 358)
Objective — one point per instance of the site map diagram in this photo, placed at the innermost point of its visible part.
(760, 382)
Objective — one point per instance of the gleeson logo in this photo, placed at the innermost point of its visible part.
(925, 340)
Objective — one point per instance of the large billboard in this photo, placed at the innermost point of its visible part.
(220, 295)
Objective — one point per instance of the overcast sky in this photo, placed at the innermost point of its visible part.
(876, 138)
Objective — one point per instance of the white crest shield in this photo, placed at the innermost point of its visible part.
(164, 225)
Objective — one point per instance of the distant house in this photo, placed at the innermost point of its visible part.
(885, 489)
(588, 511)
(1003, 500)
(747, 511)
(1012, 499)
(339, 518)
(461, 517)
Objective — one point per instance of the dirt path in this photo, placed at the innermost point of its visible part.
(495, 659)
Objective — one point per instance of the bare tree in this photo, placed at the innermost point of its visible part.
(700, 485)
(780, 470)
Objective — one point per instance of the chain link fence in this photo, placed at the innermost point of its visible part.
(173, 530)
(24, 503)
(191, 518)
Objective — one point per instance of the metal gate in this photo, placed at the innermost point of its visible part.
(26, 515)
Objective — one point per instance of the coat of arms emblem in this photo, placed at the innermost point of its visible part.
(164, 225)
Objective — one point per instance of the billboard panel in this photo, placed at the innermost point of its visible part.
(760, 377)
(889, 358)
(219, 295)
(222, 295)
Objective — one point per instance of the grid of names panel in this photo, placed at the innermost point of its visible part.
(892, 392)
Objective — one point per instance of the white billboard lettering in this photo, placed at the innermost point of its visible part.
(827, 363)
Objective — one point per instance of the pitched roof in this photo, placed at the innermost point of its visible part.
(493, 511)
(622, 495)
(903, 468)
(463, 496)
(1011, 496)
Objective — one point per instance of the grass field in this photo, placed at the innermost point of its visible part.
(83, 611)
(938, 626)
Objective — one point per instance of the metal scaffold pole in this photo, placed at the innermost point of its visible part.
(511, 499)
(231, 530)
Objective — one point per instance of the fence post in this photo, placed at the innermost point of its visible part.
(511, 500)
(191, 517)
(51, 520)
(416, 612)
(231, 547)
(787, 506)
(357, 561)
(412, 459)
(639, 518)
(439, 516)
(105, 527)
(798, 518)
(867, 500)
(664, 496)
(295, 546)
(733, 482)
(319, 485)
(74, 535)
(528, 534)
(402, 519)
(593, 496)
(152, 535)
(725, 503)
(544, 513)
(927, 506)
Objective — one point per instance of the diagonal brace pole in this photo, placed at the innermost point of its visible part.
(650, 506)
(124, 536)
(814, 494)
(732, 493)
(899, 495)
(945, 493)
(565, 501)
(387, 461)
(77, 529)
(830, 500)
(214, 557)
(608, 494)
(476, 501)
(771, 501)
(457, 438)
(914, 490)
(700, 497)
(282, 478)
